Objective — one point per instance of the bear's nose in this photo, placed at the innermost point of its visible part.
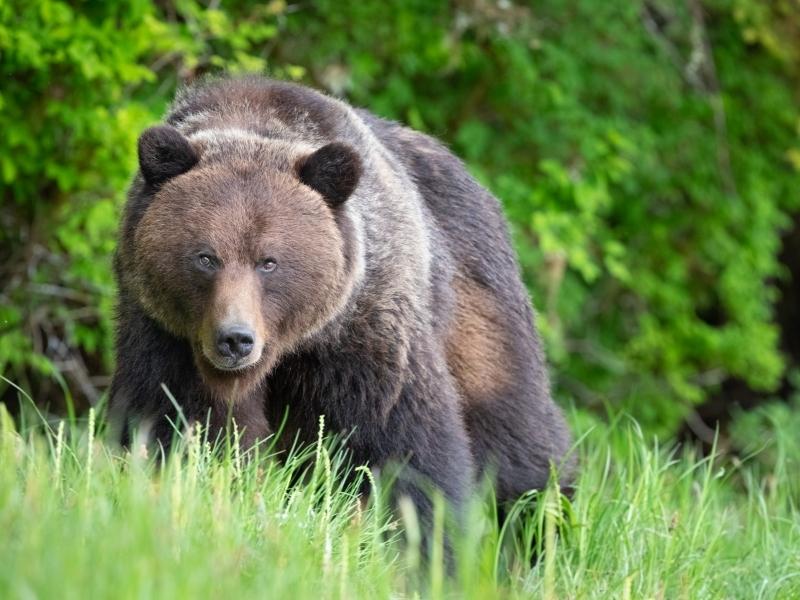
(235, 342)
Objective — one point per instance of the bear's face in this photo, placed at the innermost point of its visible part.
(242, 259)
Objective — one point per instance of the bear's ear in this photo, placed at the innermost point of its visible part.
(333, 171)
(164, 153)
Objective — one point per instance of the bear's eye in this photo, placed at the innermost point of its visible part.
(207, 262)
(267, 265)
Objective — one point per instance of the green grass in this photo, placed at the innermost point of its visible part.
(80, 520)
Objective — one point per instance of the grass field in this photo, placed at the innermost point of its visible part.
(80, 520)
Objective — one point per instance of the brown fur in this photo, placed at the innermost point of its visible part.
(477, 344)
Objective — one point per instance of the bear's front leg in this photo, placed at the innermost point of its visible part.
(425, 437)
(419, 429)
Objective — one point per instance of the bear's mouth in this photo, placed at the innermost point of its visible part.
(228, 366)
(232, 368)
(230, 381)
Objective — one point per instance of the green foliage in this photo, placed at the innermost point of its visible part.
(647, 154)
(65, 157)
(80, 520)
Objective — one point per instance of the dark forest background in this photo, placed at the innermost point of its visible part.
(647, 154)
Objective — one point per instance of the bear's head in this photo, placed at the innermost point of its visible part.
(243, 247)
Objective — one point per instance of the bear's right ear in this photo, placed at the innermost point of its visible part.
(333, 171)
(164, 153)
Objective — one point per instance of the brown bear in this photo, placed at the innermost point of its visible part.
(284, 256)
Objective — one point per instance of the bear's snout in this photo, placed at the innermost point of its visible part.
(232, 332)
(232, 346)
(235, 342)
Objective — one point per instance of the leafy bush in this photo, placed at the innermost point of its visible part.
(647, 154)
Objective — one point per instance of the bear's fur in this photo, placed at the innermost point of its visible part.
(374, 275)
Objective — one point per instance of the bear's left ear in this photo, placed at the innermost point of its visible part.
(333, 171)
(164, 153)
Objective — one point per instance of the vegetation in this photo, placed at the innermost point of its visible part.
(647, 153)
(647, 521)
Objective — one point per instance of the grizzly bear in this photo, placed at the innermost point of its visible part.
(284, 256)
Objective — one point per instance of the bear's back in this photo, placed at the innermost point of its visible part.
(492, 348)
(265, 107)
(468, 217)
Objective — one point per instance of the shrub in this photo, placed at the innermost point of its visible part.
(647, 155)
